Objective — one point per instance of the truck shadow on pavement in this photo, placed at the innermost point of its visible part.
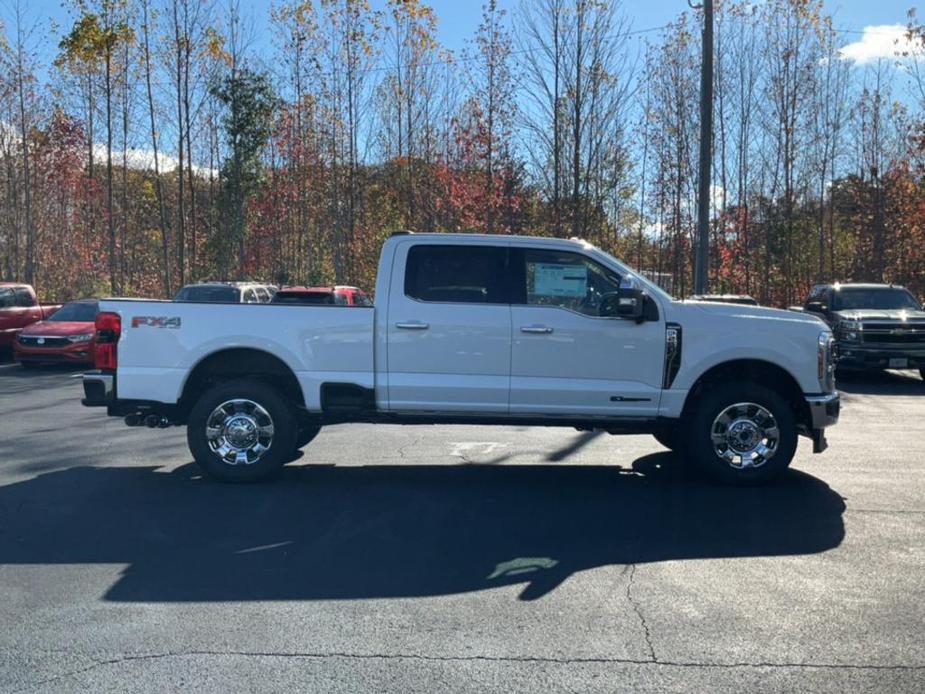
(326, 533)
(880, 383)
(16, 380)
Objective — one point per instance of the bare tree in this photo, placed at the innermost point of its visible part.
(152, 120)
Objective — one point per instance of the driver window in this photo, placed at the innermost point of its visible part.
(567, 280)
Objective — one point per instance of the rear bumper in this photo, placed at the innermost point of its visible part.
(99, 389)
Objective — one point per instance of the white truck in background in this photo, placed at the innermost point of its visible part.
(475, 329)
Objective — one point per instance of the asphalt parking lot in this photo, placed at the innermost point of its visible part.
(456, 559)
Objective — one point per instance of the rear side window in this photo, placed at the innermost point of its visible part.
(457, 274)
(262, 296)
(6, 298)
(23, 297)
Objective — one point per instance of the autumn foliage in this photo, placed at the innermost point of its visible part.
(293, 165)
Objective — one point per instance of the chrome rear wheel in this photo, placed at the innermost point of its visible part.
(239, 431)
(242, 431)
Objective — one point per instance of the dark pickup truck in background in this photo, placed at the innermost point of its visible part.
(876, 326)
(19, 308)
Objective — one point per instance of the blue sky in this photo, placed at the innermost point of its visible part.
(458, 19)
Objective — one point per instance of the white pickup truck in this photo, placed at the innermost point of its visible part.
(474, 329)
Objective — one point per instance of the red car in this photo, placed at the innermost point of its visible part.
(339, 296)
(67, 337)
(19, 308)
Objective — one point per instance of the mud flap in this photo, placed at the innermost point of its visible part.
(819, 442)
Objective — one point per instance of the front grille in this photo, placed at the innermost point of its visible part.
(894, 333)
(30, 341)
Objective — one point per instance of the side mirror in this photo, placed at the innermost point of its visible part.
(816, 307)
(631, 302)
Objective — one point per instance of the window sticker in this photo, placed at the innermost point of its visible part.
(554, 279)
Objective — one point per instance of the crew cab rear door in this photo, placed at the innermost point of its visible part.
(567, 359)
(449, 328)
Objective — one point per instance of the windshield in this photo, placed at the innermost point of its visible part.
(641, 279)
(83, 312)
(209, 294)
(876, 298)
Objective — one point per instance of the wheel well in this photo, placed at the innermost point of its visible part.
(765, 373)
(240, 363)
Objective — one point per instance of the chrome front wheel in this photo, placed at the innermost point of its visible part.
(745, 435)
(741, 433)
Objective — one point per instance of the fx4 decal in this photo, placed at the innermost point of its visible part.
(155, 322)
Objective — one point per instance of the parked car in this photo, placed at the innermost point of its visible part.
(333, 296)
(876, 326)
(741, 299)
(490, 330)
(226, 293)
(19, 308)
(68, 336)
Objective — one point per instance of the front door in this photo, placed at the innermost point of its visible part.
(449, 329)
(567, 359)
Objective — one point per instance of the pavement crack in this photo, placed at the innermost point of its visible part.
(321, 655)
(637, 608)
(403, 449)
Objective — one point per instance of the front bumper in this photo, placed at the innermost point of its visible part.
(823, 411)
(76, 353)
(99, 389)
(852, 355)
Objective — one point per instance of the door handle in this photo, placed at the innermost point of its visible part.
(412, 325)
(538, 329)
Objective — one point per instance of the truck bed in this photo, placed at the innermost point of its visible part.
(162, 341)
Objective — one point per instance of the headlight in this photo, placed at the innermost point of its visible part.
(849, 330)
(826, 361)
(86, 337)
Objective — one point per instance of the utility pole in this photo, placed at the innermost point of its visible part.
(702, 252)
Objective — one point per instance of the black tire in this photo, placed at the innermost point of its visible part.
(307, 434)
(278, 450)
(714, 401)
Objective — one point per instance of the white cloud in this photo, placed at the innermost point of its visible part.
(143, 159)
(879, 41)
